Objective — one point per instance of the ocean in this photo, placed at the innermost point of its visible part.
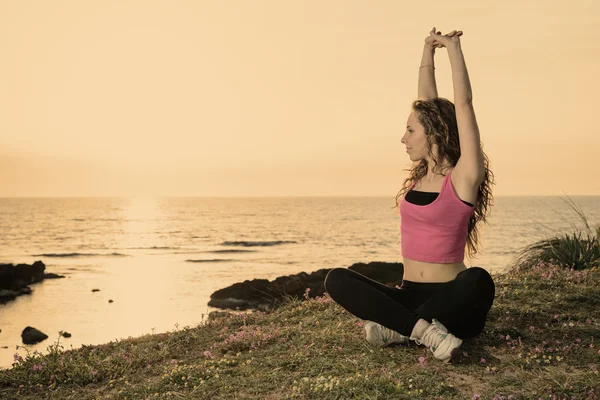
(159, 259)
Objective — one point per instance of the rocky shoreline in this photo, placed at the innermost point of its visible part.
(255, 294)
(265, 295)
(15, 279)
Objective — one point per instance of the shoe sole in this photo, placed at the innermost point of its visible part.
(403, 341)
(386, 344)
(454, 352)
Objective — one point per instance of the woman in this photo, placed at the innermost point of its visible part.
(447, 193)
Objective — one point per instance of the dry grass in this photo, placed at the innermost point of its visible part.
(541, 340)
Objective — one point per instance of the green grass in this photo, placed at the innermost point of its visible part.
(540, 341)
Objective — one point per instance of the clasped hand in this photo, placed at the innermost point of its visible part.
(437, 40)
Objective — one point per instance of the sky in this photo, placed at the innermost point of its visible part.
(285, 98)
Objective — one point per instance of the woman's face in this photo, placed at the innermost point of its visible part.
(414, 139)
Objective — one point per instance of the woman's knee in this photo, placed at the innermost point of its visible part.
(479, 282)
(480, 278)
(486, 282)
(335, 279)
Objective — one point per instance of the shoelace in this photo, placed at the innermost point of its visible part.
(432, 335)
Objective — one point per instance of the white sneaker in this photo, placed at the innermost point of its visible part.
(442, 344)
(379, 335)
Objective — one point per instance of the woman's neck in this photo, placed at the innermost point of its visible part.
(431, 175)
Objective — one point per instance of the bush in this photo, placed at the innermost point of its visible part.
(574, 250)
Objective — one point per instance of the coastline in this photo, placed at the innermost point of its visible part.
(540, 333)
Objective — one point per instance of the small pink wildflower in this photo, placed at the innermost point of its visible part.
(422, 360)
(324, 299)
(476, 396)
(207, 354)
(37, 367)
(483, 360)
(532, 328)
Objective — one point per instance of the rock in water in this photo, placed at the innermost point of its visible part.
(32, 336)
(15, 278)
(51, 275)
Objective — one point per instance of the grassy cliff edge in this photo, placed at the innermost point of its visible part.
(541, 340)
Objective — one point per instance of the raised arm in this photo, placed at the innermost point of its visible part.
(460, 76)
(471, 162)
(427, 86)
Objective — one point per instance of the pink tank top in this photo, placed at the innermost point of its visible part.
(436, 232)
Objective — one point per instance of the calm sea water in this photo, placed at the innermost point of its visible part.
(136, 252)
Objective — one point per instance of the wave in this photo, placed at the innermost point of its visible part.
(229, 251)
(204, 261)
(80, 255)
(257, 243)
(63, 238)
(153, 248)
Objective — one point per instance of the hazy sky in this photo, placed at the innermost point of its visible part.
(281, 97)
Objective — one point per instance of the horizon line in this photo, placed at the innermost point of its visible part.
(266, 196)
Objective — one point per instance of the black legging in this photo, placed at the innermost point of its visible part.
(461, 305)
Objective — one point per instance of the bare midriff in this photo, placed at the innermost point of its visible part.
(419, 271)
